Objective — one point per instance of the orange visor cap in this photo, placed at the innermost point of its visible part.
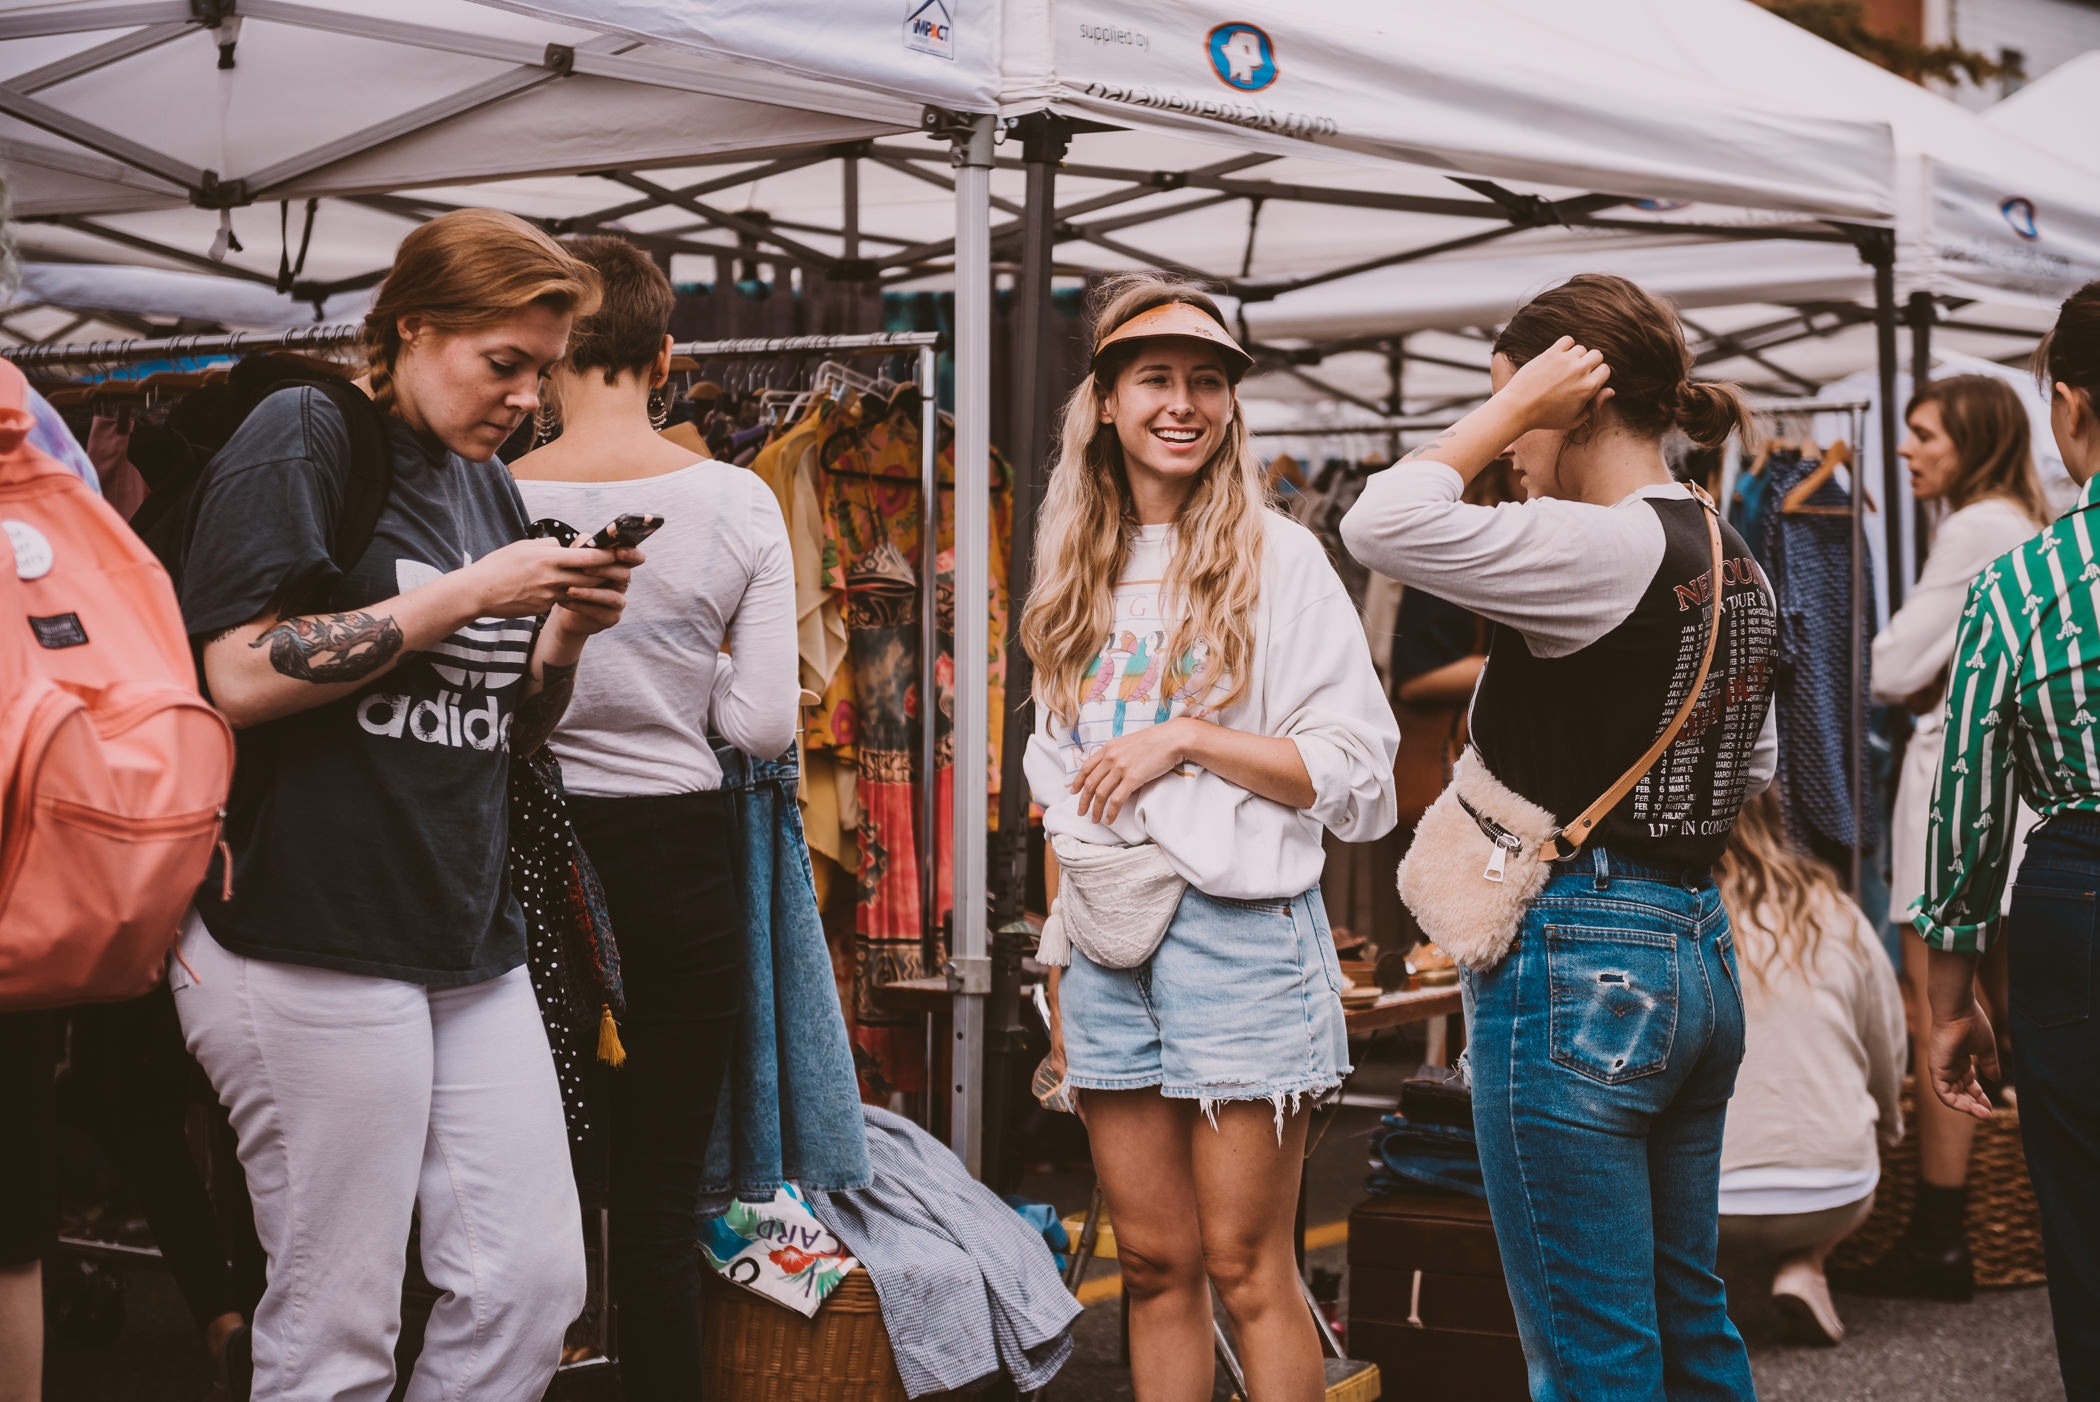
(1182, 321)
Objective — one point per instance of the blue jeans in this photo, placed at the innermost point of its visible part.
(2050, 940)
(1604, 1051)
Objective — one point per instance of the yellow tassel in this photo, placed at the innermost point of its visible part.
(609, 1049)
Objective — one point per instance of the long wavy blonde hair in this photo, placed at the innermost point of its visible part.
(1089, 521)
(1781, 902)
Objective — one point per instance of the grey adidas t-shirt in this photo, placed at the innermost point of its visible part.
(373, 832)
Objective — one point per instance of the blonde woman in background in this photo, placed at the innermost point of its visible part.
(1971, 461)
(1822, 1066)
(1206, 704)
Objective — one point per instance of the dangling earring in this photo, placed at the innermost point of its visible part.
(659, 408)
(546, 421)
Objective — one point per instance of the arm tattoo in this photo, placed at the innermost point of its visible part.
(540, 712)
(332, 647)
(1430, 447)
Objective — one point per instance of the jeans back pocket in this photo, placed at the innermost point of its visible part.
(2049, 954)
(1612, 1000)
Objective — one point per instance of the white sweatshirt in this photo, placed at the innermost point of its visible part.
(1561, 573)
(1311, 680)
(650, 688)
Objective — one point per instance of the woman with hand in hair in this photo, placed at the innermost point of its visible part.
(1605, 1033)
(1206, 704)
(355, 983)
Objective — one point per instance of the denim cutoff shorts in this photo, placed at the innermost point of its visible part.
(1241, 1001)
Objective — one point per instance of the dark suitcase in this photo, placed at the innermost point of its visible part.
(1427, 1302)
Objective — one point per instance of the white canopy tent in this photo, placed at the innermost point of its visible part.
(1992, 230)
(1386, 133)
(2058, 112)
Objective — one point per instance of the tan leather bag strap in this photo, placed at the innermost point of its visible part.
(1568, 841)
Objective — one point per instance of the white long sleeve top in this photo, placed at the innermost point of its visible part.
(1822, 1069)
(1918, 643)
(1310, 680)
(1561, 573)
(648, 691)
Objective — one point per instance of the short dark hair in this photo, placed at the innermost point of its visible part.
(634, 314)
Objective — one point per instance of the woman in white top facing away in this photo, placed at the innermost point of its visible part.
(644, 784)
(1606, 1021)
(1205, 703)
(1970, 460)
(1822, 1066)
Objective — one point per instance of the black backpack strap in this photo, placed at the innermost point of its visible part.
(371, 475)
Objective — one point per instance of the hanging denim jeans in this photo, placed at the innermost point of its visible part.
(790, 1109)
(1604, 1051)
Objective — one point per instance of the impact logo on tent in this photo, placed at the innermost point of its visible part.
(1242, 57)
(928, 28)
(2019, 212)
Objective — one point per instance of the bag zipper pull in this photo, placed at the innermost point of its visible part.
(1499, 860)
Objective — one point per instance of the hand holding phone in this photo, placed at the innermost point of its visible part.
(625, 531)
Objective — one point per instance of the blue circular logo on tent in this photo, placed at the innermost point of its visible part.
(1242, 57)
(2019, 212)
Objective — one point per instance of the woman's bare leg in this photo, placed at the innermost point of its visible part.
(1141, 1143)
(1247, 1198)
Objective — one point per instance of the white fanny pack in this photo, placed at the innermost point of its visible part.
(1113, 904)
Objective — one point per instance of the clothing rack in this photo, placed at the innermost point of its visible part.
(924, 344)
(1856, 721)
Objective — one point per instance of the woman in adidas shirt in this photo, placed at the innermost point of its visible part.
(1605, 1041)
(354, 982)
(1206, 704)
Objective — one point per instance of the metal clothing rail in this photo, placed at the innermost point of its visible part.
(335, 335)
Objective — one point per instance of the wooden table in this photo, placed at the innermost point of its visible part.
(1404, 1006)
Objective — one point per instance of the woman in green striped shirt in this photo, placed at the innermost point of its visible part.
(2023, 705)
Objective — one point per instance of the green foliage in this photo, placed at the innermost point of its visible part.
(1844, 23)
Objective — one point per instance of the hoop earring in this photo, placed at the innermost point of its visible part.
(546, 422)
(659, 408)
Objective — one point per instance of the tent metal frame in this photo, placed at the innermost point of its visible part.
(1031, 236)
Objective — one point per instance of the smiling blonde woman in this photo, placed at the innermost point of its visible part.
(1206, 704)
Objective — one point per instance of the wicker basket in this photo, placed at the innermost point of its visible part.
(759, 1351)
(2005, 1231)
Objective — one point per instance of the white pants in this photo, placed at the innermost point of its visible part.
(358, 1100)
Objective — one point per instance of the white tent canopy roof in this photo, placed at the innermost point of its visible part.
(117, 124)
(2058, 112)
(1478, 88)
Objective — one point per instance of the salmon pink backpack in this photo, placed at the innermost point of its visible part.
(113, 770)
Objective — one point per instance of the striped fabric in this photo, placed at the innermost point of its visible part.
(2023, 700)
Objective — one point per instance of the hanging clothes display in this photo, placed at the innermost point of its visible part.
(1804, 542)
(869, 489)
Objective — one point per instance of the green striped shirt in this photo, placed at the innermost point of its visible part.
(2023, 700)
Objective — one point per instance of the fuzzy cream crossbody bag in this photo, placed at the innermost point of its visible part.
(1483, 851)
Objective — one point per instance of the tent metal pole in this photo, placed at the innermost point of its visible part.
(1878, 247)
(929, 657)
(1044, 142)
(1921, 312)
(970, 962)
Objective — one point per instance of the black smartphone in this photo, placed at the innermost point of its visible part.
(625, 532)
